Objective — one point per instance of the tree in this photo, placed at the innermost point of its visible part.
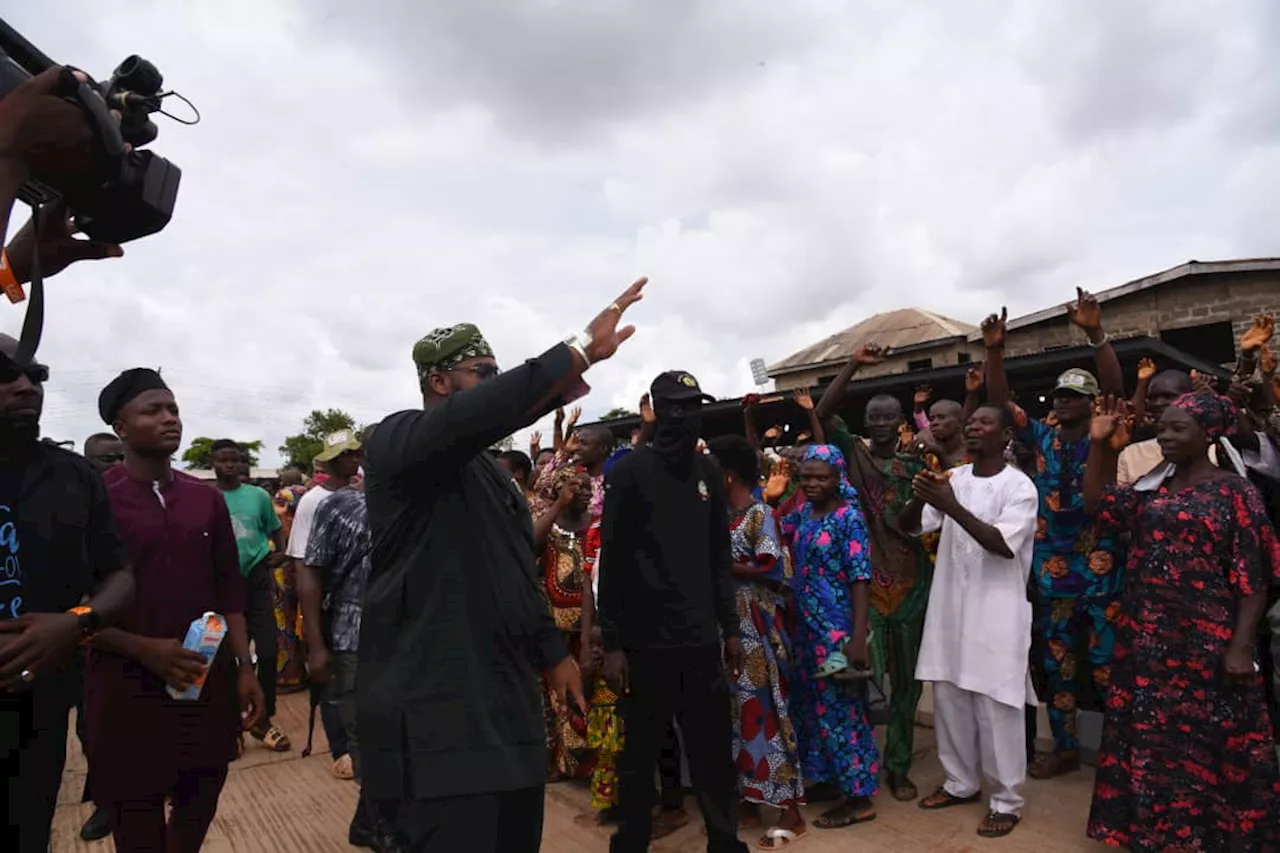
(504, 443)
(200, 453)
(303, 447)
(619, 413)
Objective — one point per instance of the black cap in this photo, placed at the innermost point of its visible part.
(678, 386)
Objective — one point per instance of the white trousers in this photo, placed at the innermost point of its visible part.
(979, 736)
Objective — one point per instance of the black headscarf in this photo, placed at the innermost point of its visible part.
(124, 388)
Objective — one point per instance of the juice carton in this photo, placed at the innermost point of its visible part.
(204, 636)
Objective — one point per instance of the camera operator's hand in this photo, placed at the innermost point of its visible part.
(40, 132)
(58, 246)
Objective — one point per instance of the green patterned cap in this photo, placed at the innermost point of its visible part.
(445, 348)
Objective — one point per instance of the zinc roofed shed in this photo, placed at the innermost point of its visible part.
(916, 339)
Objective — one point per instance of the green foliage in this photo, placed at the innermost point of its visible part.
(619, 413)
(304, 446)
(200, 453)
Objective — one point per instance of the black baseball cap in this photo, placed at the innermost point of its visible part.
(678, 386)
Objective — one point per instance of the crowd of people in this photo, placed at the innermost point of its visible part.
(476, 624)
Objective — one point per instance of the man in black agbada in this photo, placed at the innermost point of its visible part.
(666, 601)
(58, 545)
(455, 629)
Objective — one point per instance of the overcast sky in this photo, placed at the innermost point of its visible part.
(779, 170)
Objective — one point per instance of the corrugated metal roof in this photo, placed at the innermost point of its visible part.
(901, 328)
(1190, 268)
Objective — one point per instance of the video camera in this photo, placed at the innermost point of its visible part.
(127, 193)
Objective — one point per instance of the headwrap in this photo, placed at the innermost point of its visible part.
(831, 455)
(124, 388)
(444, 348)
(1216, 415)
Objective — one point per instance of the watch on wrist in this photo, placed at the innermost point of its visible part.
(579, 342)
(90, 620)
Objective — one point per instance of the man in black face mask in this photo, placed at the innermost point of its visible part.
(666, 599)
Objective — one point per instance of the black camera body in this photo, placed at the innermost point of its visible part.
(127, 193)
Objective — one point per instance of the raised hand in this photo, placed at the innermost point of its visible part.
(1264, 327)
(572, 445)
(647, 414)
(559, 417)
(605, 335)
(975, 379)
(922, 396)
(804, 399)
(905, 434)
(1146, 370)
(750, 401)
(993, 329)
(1266, 361)
(773, 433)
(1203, 382)
(1108, 419)
(568, 492)
(1085, 312)
(574, 415)
(535, 443)
(870, 355)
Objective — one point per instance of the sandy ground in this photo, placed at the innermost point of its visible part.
(282, 803)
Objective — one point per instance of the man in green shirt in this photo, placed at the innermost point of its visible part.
(260, 541)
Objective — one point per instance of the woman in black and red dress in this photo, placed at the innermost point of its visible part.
(1187, 760)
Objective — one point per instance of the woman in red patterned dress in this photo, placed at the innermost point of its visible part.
(1187, 761)
(562, 516)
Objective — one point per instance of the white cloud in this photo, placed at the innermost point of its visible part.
(780, 171)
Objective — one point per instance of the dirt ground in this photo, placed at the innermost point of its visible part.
(283, 803)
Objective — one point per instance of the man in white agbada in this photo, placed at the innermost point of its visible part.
(977, 630)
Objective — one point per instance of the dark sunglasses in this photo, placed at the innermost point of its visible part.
(11, 371)
(483, 371)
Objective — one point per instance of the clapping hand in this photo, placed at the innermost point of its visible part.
(647, 414)
(922, 396)
(934, 489)
(804, 399)
(1146, 370)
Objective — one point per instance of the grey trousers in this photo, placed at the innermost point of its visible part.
(341, 693)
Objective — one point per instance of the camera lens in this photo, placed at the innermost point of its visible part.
(136, 74)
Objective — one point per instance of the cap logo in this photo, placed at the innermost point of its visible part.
(337, 438)
(1075, 380)
(688, 381)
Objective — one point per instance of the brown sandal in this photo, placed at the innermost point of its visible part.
(944, 799)
(1049, 765)
(998, 824)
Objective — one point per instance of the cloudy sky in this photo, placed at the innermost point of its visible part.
(779, 170)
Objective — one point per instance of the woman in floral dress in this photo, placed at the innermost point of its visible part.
(832, 573)
(765, 744)
(1187, 761)
(562, 518)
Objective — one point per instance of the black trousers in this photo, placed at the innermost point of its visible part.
(260, 617)
(503, 822)
(690, 685)
(33, 749)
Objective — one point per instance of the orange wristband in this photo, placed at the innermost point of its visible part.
(9, 281)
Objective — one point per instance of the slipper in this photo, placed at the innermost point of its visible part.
(998, 824)
(668, 822)
(902, 788)
(777, 838)
(944, 799)
(848, 816)
(273, 739)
